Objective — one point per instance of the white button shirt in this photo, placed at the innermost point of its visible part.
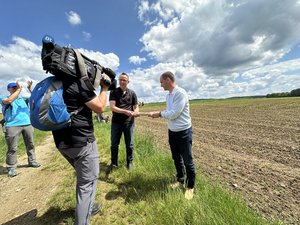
(178, 110)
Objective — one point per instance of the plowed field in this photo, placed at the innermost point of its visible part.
(251, 146)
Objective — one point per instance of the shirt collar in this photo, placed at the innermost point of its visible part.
(173, 91)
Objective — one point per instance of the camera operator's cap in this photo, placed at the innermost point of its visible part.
(11, 85)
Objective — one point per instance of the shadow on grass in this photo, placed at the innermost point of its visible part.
(26, 218)
(138, 188)
(50, 217)
(3, 169)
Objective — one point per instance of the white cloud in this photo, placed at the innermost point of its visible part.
(73, 18)
(21, 61)
(110, 60)
(281, 67)
(136, 60)
(216, 48)
(87, 36)
(259, 81)
(143, 9)
(219, 36)
(220, 48)
(146, 81)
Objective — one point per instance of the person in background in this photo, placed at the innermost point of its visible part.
(124, 105)
(177, 113)
(17, 121)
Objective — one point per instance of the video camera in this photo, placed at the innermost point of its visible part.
(66, 61)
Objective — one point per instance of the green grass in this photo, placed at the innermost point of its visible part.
(143, 196)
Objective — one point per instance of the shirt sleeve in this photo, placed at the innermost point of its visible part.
(112, 95)
(177, 107)
(134, 98)
(86, 94)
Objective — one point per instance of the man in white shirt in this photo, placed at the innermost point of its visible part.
(180, 131)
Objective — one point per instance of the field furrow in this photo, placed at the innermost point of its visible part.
(251, 146)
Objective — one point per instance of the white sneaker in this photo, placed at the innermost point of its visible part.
(189, 193)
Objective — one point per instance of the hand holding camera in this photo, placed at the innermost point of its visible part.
(108, 79)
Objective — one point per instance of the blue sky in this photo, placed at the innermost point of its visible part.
(216, 48)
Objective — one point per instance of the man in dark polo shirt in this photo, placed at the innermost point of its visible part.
(124, 105)
(77, 144)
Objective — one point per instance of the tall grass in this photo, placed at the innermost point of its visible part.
(143, 196)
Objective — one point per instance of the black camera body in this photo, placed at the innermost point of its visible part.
(66, 61)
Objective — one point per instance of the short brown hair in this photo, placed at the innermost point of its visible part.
(168, 74)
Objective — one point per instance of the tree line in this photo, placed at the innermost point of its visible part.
(293, 93)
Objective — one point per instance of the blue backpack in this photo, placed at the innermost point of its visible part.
(48, 111)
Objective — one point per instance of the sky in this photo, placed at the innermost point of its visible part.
(215, 48)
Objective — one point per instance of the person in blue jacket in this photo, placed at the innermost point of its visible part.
(17, 121)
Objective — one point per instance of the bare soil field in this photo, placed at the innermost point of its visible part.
(251, 146)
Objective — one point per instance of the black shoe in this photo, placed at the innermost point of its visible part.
(96, 208)
(129, 166)
(110, 168)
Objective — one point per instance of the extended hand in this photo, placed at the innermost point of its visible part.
(154, 114)
(19, 86)
(136, 114)
(129, 113)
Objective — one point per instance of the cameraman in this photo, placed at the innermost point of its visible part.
(78, 145)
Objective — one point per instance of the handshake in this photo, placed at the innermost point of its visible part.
(155, 114)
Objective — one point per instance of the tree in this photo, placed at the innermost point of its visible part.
(295, 92)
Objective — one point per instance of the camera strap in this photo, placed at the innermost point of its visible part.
(83, 71)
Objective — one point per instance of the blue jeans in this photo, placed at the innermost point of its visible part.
(181, 148)
(116, 133)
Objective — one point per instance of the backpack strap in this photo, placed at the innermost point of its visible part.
(71, 113)
(98, 76)
(83, 71)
